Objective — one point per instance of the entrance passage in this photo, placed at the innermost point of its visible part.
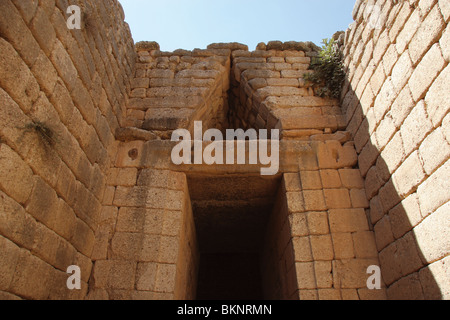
(231, 214)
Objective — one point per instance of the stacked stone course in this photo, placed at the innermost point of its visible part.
(86, 176)
(73, 84)
(396, 107)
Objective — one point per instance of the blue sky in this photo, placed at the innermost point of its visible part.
(189, 24)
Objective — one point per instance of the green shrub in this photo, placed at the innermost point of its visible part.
(328, 74)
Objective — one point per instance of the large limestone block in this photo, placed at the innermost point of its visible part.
(332, 155)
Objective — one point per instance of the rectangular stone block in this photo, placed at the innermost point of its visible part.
(169, 248)
(176, 91)
(146, 276)
(324, 276)
(165, 278)
(16, 175)
(358, 198)
(377, 79)
(152, 198)
(198, 74)
(437, 97)
(32, 280)
(17, 79)
(114, 274)
(351, 179)
(122, 177)
(304, 60)
(364, 244)
(343, 246)
(322, 248)
(9, 254)
(330, 294)
(384, 99)
(160, 73)
(381, 46)
(347, 220)
(280, 91)
(298, 224)
(45, 73)
(409, 175)
(407, 288)
(434, 280)
(318, 223)
(444, 42)
(133, 219)
(295, 202)
(434, 151)
(337, 198)
(393, 154)
(305, 276)
(286, 82)
(138, 93)
(302, 249)
(432, 235)
(283, 66)
(43, 202)
(429, 32)
(314, 200)
(84, 238)
(162, 179)
(426, 71)
(408, 256)
(126, 246)
(140, 83)
(150, 248)
(405, 216)
(64, 65)
(332, 155)
(409, 29)
(293, 73)
(310, 180)
(330, 179)
(389, 196)
(292, 182)
(402, 70)
(43, 30)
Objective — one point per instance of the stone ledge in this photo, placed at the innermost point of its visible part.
(132, 134)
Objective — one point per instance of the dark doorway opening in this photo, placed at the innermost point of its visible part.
(231, 215)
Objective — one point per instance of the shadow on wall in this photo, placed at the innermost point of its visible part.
(396, 101)
(404, 266)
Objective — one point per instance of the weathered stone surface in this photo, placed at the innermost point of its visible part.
(152, 198)
(426, 71)
(16, 176)
(133, 134)
(437, 97)
(351, 273)
(348, 220)
(432, 235)
(104, 201)
(332, 155)
(429, 31)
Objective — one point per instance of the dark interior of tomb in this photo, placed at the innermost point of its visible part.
(231, 215)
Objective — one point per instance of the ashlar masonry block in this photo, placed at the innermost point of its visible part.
(332, 155)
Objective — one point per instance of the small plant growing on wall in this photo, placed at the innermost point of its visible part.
(328, 68)
(44, 133)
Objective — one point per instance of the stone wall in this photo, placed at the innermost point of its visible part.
(319, 243)
(171, 89)
(87, 179)
(397, 57)
(147, 248)
(268, 91)
(62, 96)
